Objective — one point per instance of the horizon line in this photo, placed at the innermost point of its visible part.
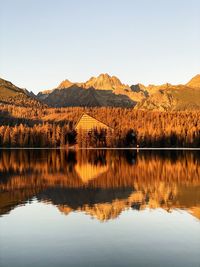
(96, 76)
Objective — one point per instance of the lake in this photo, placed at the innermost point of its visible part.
(99, 208)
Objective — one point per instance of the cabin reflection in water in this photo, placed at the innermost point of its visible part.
(101, 183)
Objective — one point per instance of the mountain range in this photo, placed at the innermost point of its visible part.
(108, 91)
(103, 90)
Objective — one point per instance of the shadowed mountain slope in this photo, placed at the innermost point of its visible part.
(106, 90)
(76, 96)
(103, 90)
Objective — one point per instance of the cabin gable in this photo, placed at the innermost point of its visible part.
(88, 123)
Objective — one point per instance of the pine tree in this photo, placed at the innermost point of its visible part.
(6, 137)
(53, 139)
(62, 137)
(14, 137)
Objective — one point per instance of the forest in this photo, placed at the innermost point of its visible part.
(55, 127)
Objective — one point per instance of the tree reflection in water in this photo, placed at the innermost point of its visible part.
(101, 183)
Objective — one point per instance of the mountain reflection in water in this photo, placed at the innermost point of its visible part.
(101, 183)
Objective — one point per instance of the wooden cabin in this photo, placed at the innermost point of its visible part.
(87, 123)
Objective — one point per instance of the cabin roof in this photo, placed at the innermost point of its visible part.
(91, 117)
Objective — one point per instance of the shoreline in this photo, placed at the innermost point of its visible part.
(100, 148)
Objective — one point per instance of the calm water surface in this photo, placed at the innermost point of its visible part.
(99, 208)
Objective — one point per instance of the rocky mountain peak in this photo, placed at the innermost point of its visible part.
(102, 82)
(65, 84)
(194, 82)
(105, 82)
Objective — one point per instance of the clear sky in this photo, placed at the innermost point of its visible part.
(43, 42)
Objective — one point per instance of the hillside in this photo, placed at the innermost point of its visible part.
(11, 94)
(172, 98)
(169, 97)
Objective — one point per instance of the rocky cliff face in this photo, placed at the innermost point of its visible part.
(102, 82)
(106, 82)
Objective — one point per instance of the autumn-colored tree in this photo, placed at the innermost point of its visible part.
(62, 137)
(6, 137)
(51, 127)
